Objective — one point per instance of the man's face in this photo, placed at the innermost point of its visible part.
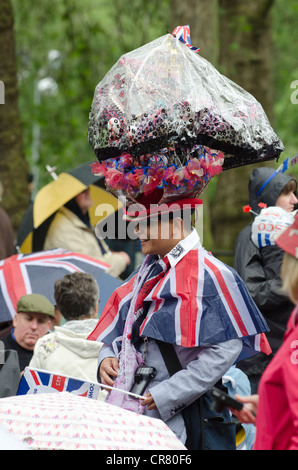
(157, 237)
(29, 327)
(287, 201)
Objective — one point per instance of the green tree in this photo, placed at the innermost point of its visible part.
(13, 166)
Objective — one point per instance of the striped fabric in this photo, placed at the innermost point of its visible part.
(198, 301)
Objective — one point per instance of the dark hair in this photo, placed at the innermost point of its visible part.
(291, 186)
(76, 295)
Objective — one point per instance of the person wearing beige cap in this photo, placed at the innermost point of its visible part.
(31, 322)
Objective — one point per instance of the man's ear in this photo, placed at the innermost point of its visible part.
(15, 320)
(177, 228)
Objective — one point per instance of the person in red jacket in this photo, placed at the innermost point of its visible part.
(276, 405)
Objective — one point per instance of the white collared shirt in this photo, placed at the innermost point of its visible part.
(183, 247)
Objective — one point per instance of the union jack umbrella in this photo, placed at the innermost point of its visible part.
(37, 272)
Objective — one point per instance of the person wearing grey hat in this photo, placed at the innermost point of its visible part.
(31, 322)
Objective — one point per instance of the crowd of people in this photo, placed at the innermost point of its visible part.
(182, 323)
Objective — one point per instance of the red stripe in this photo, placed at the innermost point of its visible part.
(227, 296)
(264, 345)
(187, 275)
(111, 309)
(35, 378)
(14, 280)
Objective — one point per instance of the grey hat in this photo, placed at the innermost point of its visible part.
(35, 303)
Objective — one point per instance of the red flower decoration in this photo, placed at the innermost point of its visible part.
(262, 205)
(174, 176)
(154, 178)
(98, 168)
(126, 160)
(246, 208)
(135, 178)
(115, 179)
(193, 172)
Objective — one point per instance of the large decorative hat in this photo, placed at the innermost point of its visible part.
(164, 121)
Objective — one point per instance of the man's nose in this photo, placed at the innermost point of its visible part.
(34, 324)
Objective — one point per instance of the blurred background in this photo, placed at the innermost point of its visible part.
(54, 52)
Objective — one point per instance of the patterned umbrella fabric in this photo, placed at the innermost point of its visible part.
(37, 272)
(70, 422)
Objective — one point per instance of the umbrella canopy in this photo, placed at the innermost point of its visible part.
(9, 442)
(37, 272)
(71, 422)
(170, 120)
(53, 196)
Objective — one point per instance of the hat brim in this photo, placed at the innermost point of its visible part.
(138, 212)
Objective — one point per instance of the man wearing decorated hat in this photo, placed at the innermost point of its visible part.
(152, 131)
(182, 296)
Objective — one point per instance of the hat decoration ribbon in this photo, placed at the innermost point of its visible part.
(282, 168)
(183, 34)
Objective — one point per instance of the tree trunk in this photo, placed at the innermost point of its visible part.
(246, 58)
(13, 166)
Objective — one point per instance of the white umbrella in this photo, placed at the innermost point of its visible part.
(69, 422)
(9, 442)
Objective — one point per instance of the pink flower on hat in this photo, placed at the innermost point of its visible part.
(99, 168)
(115, 178)
(174, 176)
(154, 178)
(193, 172)
(135, 178)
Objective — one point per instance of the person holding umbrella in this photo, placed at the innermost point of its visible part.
(71, 230)
(63, 215)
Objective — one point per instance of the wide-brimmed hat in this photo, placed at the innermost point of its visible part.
(150, 207)
(288, 239)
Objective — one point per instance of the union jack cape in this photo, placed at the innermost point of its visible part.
(198, 301)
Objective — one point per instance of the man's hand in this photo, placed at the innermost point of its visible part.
(149, 402)
(249, 411)
(108, 369)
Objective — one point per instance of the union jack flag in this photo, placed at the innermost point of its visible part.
(183, 34)
(37, 272)
(42, 381)
(199, 301)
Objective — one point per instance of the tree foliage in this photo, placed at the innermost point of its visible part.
(91, 36)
